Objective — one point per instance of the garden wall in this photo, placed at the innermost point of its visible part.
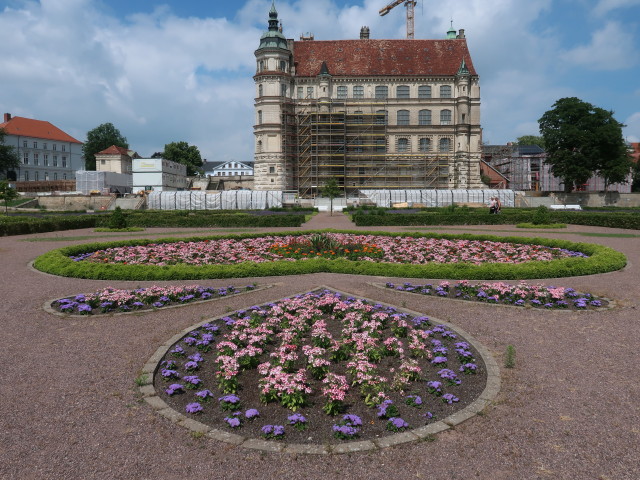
(584, 199)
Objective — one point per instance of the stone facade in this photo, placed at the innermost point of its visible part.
(427, 90)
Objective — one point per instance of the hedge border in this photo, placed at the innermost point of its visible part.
(601, 259)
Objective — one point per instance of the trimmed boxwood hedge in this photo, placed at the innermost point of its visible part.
(611, 220)
(185, 218)
(601, 259)
(24, 226)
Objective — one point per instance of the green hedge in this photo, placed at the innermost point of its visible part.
(23, 226)
(601, 259)
(186, 219)
(611, 220)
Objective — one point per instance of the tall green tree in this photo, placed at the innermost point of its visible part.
(185, 154)
(331, 190)
(7, 194)
(101, 138)
(582, 140)
(9, 159)
(531, 140)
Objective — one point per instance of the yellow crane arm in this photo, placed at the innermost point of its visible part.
(387, 9)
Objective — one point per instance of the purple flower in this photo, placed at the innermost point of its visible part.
(398, 423)
(468, 368)
(178, 351)
(191, 365)
(196, 357)
(204, 394)
(167, 373)
(270, 431)
(174, 388)
(194, 407)
(352, 420)
(439, 360)
(345, 431)
(189, 340)
(157, 304)
(192, 380)
(229, 399)
(233, 422)
(84, 308)
(414, 400)
(252, 413)
(450, 398)
(296, 418)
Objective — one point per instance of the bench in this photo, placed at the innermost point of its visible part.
(565, 207)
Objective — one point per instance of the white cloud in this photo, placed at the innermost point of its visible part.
(632, 129)
(611, 48)
(605, 6)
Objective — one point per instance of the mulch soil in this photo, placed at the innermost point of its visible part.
(70, 408)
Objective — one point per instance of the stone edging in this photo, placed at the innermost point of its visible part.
(487, 396)
(49, 309)
(610, 303)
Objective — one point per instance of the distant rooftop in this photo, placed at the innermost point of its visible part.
(27, 127)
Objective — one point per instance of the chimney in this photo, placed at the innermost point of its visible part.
(364, 33)
(7, 117)
(461, 33)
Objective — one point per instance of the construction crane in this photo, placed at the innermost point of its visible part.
(410, 4)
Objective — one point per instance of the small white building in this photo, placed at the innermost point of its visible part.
(228, 169)
(159, 175)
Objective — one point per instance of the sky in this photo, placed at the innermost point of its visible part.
(182, 70)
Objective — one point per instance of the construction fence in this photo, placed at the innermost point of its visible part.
(225, 200)
(437, 198)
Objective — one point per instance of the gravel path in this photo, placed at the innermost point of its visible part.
(69, 408)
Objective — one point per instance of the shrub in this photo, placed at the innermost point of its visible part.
(117, 220)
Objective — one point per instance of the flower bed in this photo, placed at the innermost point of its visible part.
(320, 367)
(110, 300)
(520, 295)
(374, 248)
(416, 255)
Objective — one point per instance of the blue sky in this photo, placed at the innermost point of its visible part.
(164, 71)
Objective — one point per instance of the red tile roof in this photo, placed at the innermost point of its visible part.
(114, 150)
(381, 57)
(27, 127)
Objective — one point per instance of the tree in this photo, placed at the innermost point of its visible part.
(101, 138)
(7, 194)
(185, 154)
(531, 140)
(331, 190)
(582, 140)
(9, 159)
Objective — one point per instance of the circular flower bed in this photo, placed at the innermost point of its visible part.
(375, 248)
(520, 295)
(392, 255)
(318, 368)
(112, 300)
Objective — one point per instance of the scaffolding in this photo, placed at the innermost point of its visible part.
(347, 141)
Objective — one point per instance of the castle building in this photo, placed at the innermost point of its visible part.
(371, 114)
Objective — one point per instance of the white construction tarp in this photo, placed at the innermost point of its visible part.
(224, 200)
(438, 198)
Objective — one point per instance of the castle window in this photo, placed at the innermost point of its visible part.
(300, 92)
(35, 144)
(260, 90)
(25, 158)
(445, 91)
(382, 117)
(424, 117)
(425, 145)
(402, 91)
(445, 144)
(445, 117)
(424, 91)
(283, 90)
(382, 91)
(381, 145)
(259, 117)
(283, 65)
(309, 92)
(357, 116)
(45, 160)
(403, 117)
(26, 176)
(259, 146)
(36, 161)
(342, 92)
(272, 169)
(403, 144)
(358, 91)
(24, 143)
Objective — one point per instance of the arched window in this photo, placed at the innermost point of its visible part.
(425, 145)
(358, 91)
(382, 117)
(403, 117)
(424, 91)
(382, 91)
(259, 117)
(424, 117)
(259, 146)
(342, 92)
(445, 117)
(445, 144)
(260, 90)
(402, 91)
(445, 91)
(403, 145)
